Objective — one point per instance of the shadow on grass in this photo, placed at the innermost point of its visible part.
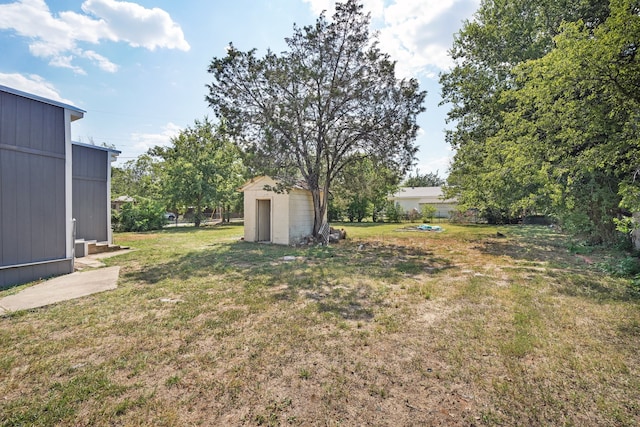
(575, 275)
(337, 278)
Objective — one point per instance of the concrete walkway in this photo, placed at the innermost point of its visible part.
(62, 288)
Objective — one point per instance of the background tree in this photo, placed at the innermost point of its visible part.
(580, 106)
(501, 165)
(427, 212)
(202, 168)
(141, 177)
(361, 190)
(423, 180)
(143, 215)
(310, 111)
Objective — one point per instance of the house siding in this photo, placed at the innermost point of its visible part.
(32, 190)
(90, 193)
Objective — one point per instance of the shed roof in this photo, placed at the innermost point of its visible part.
(76, 113)
(267, 180)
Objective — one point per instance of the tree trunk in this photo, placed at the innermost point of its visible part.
(317, 211)
(198, 214)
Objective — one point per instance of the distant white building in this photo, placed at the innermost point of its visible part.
(410, 198)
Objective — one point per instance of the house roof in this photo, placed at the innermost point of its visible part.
(76, 113)
(428, 194)
(113, 153)
(96, 147)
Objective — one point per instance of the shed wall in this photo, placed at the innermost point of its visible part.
(301, 215)
(279, 215)
(32, 190)
(90, 193)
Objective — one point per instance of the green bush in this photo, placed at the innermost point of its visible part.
(428, 212)
(144, 215)
(394, 212)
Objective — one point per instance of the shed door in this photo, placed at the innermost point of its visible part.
(263, 220)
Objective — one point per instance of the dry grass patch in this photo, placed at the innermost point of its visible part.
(387, 328)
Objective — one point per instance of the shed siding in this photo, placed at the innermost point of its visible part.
(249, 217)
(279, 215)
(90, 193)
(280, 218)
(32, 189)
(291, 213)
(301, 214)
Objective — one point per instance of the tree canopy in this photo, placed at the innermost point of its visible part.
(330, 99)
(202, 168)
(428, 179)
(140, 177)
(361, 190)
(546, 108)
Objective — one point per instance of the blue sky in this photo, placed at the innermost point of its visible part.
(139, 69)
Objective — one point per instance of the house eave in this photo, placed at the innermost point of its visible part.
(76, 113)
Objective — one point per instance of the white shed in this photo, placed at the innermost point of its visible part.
(415, 197)
(276, 218)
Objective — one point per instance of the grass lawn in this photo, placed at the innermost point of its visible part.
(391, 327)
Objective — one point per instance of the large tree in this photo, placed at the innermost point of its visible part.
(580, 106)
(202, 168)
(493, 170)
(331, 98)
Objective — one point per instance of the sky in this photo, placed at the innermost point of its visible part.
(139, 69)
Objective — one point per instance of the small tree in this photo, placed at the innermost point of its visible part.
(394, 212)
(428, 212)
(423, 180)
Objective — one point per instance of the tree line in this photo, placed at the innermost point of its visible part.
(545, 99)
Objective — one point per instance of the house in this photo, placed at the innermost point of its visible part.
(46, 181)
(118, 202)
(281, 218)
(410, 198)
(91, 192)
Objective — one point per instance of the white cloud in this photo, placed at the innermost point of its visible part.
(59, 38)
(439, 165)
(145, 141)
(100, 61)
(130, 22)
(33, 84)
(416, 33)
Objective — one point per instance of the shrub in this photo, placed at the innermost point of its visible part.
(394, 212)
(427, 211)
(144, 215)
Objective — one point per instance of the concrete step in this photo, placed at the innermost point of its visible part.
(102, 247)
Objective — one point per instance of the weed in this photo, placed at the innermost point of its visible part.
(423, 290)
(172, 381)
(304, 374)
